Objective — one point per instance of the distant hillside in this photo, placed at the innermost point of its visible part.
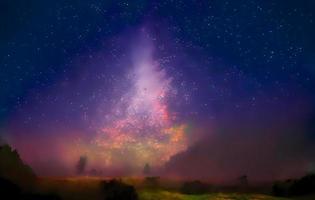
(13, 168)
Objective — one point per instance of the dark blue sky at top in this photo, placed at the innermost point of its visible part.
(251, 55)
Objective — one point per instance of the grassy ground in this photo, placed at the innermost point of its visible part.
(72, 188)
(165, 195)
(89, 189)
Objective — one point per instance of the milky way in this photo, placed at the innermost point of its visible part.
(141, 127)
(119, 113)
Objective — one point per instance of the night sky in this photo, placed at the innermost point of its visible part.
(198, 89)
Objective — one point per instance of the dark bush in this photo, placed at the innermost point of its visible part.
(117, 190)
(303, 186)
(281, 189)
(40, 197)
(151, 181)
(298, 187)
(195, 187)
(9, 189)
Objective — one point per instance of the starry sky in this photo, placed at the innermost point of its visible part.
(197, 89)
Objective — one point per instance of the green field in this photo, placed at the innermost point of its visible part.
(165, 195)
(88, 189)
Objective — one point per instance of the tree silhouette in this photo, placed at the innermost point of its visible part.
(146, 169)
(14, 169)
(243, 180)
(81, 164)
